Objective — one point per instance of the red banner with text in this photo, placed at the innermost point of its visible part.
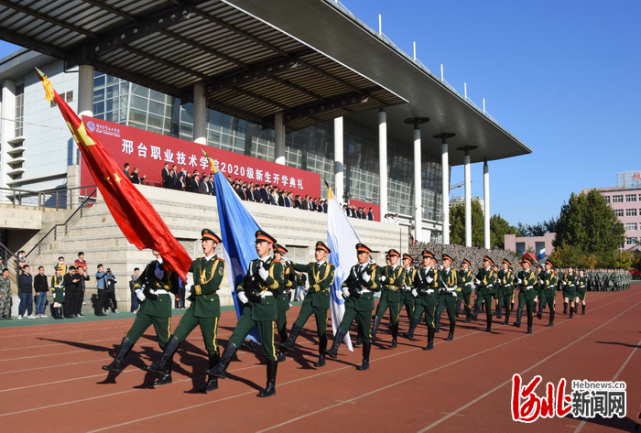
(376, 209)
(150, 151)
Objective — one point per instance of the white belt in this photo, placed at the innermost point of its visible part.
(268, 293)
(451, 289)
(159, 292)
(365, 291)
(529, 287)
(430, 291)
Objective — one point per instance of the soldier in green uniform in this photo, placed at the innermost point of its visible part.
(321, 275)
(204, 310)
(57, 293)
(152, 289)
(425, 290)
(581, 284)
(392, 279)
(449, 293)
(257, 292)
(466, 284)
(569, 291)
(5, 295)
(406, 296)
(506, 280)
(538, 286)
(548, 294)
(485, 288)
(358, 292)
(282, 296)
(527, 279)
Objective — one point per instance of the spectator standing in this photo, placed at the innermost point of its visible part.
(22, 262)
(57, 293)
(135, 178)
(134, 299)
(110, 292)
(81, 262)
(71, 281)
(301, 279)
(25, 288)
(188, 181)
(204, 185)
(101, 285)
(195, 183)
(168, 180)
(163, 175)
(5, 295)
(83, 276)
(370, 215)
(62, 265)
(126, 171)
(41, 286)
(180, 183)
(212, 189)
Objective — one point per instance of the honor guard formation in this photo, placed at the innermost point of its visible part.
(424, 289)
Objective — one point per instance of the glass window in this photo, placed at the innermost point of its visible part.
(630, 212)
(631, 241)
(607, 198)
(617, 199)
(630, 226)
(630, 197)
(19, 109)
(618, 212)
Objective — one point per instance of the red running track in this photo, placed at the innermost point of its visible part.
(51, 380)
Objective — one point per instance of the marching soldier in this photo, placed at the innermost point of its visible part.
(257, 293)
(392, 278)
(57, 293)
(497, 292)
(406, 297)
(358, 290)
(506, 278)
(448, 294)
(321, 275)
(282, 297)
(152, 289)
(204, 311)
(581, 284)
(548, 294)
(538, 286)
(485, 287)
(569, 291)
(466, 284)
(527, 279)
(426, 285)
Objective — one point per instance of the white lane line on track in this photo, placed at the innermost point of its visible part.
(583, 422)
(316, 375)
(451, 414)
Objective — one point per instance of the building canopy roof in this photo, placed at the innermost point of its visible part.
(310, 59)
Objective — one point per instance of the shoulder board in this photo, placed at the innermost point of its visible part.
(220, 259)
(275, 260)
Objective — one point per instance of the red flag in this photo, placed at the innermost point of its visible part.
(138, 220)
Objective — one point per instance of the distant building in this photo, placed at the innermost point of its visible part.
(540, 245)
(461, 200)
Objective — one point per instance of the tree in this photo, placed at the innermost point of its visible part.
(498, 229)
(457, 224)
(589, 224)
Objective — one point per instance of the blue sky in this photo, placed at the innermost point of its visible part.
(562, 76)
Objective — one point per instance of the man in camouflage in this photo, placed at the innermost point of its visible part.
(5, 295)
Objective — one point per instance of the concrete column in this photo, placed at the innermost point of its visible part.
(418, 194)
(200, 114)
(279, 138)
(468, 201)
(7, 131)
(382, 161)
(339, 189)
(85, 91)
(486, 199)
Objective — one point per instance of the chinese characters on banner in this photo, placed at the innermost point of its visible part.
(150, 151)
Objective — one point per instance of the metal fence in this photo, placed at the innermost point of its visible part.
(62, 198)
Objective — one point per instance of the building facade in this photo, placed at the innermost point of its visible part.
(540, 246)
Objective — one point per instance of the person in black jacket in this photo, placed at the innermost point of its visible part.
(71, 292)
(168, 180)
(370, 215)
(110, 292)
(25, 287)
(84, 277)
(42, 288)
(135, 178)
(163, 175)
(195, 184)
(180, 184)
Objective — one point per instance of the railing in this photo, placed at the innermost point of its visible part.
(9, 259)
(63, 198)
(66, 227)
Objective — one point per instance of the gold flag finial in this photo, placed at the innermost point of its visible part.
(213, 167)
(47, 85)
(330, 194)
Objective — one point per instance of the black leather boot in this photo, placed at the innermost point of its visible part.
(551, 324)
(530, 319)
(375, 323)
(457, 311)
(338, 339)
(476, 312)
(507, 314)
(168, 351)
(410, 333)
(499, 307)
(450, 337)
(270, 389)
(519, 315)
(539, 315)
(565, 308)
(394, 335)
(165, 378)
(220, 369)
(468, 313)
(359, 340)
(289, 344)
(248, 345)
(367, 347)
(437, 322)
(488, 321)
(571, 312)
(212, 381)
(583, 310)
(123, 351)
(322, 346)
(430, 339)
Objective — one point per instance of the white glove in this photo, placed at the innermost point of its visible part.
(345, 292)
(414, 293)
(306, 290)
(383, 278)
(406, 288)
(429, 279)
(366, 277)
(242, 297)
(430, 291)
(263, 273)
(565, 282)
(284, 259)
(470, 284)
(454, 294)
(519, 281)
(477, 282)
(189, 288)
(159, 273)
(141, 296)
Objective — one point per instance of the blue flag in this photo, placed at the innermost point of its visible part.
(238, 230)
